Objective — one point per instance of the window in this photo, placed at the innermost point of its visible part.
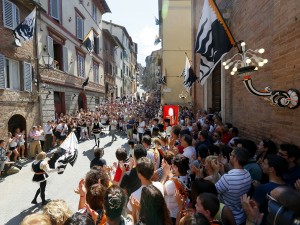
(11, 15)
(106, 68)
(94, 8)
(96, 72)
(10, 76)
(80, 65)
(55, 9)
(79, 26)
(59, 54)
(96, 44)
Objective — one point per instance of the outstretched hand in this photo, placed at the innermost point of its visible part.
(81, 188)
(92, 212)
(180, 199)
(135, 204)
(251, 209)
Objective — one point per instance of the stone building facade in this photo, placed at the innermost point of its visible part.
(274, 26)
(61, 31)
(18, 94)
(126, 56)
(175, 34)
(109, 46)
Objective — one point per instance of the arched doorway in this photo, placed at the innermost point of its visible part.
(17, 121)
(82, 101)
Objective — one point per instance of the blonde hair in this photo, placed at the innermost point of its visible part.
(209, 159)
(156, 141)
(41, 156)
(57, 211)
(36, 219)
(165, 139)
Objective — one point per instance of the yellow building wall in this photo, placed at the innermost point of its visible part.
(176, 40)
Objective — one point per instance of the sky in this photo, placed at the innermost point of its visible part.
(138, 17)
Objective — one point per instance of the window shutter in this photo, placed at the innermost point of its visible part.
(79, 22)
(17, 16)
(55, 9)
(8, 20)
(96, 73)
(2, 72)
(27, 75)
(77, 26)
(80, 61)
(50, 48)
(65, 59)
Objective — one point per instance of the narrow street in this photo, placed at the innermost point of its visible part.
(18, 190)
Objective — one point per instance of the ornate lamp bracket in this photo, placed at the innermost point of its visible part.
(289, 98)
(246, 62)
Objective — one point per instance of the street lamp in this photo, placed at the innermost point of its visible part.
(47, 60)
(245, 62)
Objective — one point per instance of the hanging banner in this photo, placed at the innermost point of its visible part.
(171, 112)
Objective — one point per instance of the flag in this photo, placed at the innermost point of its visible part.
(163, 79)
(157, 40)
(85, 83)
(213, 40)
(157, 21)
(88, 41)
(67, 153)
(25, 30)
(188, 74)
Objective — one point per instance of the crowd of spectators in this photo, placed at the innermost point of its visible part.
(197, 172)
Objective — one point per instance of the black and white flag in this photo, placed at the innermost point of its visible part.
(189, 75)
(25, 30)
(213, 40)
(88, 41)
(66, 153)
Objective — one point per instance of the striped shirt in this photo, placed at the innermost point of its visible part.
(231, 187)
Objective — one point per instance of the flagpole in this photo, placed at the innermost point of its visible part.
(67, 137)
(188, 58)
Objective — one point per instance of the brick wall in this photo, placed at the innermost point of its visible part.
(275, 26)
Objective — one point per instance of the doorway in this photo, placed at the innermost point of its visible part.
(59, 102)
(82, 102)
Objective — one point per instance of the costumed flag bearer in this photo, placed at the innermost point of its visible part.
(97, 126)
(40, 167)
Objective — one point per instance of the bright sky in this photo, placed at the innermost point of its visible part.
(138, 17)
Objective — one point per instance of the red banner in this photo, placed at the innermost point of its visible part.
(171, 112)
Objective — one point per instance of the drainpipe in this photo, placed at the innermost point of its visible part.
(38, 78)
(110, 26)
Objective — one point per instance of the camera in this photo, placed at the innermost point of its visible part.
(278, 215)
